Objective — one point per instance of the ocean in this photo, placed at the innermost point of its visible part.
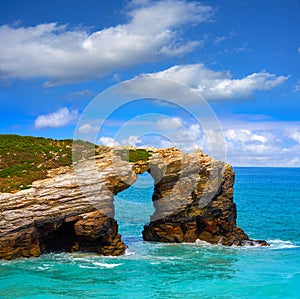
(268, 204)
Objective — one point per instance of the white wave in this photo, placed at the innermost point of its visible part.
(87, 267)
(105, 265)
(202, 243)
(43, 268)
(280, 244)
(274, 244)
(249, 245)
(127, 252)
(84, 259)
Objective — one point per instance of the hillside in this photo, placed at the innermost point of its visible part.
(24, 159)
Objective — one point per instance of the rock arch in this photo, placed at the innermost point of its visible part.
(74, 210)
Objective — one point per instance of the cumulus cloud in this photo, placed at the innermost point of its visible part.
(244, 136)
(180, 133)
(241, 142)
(88, 129)
(132, 140)
(64, 55)
(248, 143)
(60, 118)
(219, 85)
(160, 132)
(295, 136)
(262, 143)
(109, 141)
(170, 123)
(297, 86)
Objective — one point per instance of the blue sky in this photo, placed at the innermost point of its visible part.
(242, 56)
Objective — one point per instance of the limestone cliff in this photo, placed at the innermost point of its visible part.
(73, 210)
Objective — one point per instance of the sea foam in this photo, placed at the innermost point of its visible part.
(280, 244)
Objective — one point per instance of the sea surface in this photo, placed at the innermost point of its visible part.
(268, 204)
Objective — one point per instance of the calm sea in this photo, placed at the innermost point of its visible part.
(268, 203)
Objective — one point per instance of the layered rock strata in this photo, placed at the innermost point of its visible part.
(73, 209)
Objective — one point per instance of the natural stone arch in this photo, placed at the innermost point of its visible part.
(74, 210)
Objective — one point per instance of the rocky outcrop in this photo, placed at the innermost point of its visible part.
(73, 210)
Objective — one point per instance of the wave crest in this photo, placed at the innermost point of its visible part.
(281, 244)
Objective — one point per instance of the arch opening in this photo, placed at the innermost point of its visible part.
(133, 207)
(57, 237)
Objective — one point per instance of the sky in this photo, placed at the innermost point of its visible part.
(241, 57)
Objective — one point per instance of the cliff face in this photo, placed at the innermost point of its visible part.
(73, 210)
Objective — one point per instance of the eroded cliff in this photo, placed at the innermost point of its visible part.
(73, 209)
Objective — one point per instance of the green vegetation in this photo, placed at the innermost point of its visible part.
(133, 155)
(138, 155)
(24, 159)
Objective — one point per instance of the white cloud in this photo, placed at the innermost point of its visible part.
(178, 50)
(88, 129)
(222, 38)
(239, 135)
(247, 143)
(295, 135)
(258, 142)
(187, 136)
(85, 93)
(195, 131)
(250, 152)
(297, 86)
(170, 123)
(244, 136)
(160, 132)
(132, 140)
(60, 118)
(63, 55)
(219, 85)
(108, 141)
(262, 143)
(166, 143)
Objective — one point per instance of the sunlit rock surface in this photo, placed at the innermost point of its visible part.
(73, 209)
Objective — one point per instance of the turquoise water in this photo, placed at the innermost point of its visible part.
(268, 202)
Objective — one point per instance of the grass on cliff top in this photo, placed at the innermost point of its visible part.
(24, 159)
(133, 155)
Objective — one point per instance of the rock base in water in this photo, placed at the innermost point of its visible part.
(73, 209)
(92, 232)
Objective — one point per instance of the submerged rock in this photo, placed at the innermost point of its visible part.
(73, 209)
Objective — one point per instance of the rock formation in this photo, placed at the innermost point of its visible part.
(73, 210)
